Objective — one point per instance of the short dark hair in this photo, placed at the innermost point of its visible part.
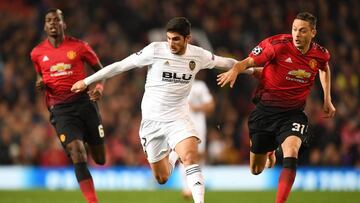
(55, 10)
(180, 25)
(308, 17)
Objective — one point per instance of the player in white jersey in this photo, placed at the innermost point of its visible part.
(201, 104)
(166, 127)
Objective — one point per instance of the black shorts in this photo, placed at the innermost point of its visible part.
(269, 127)
(78, 120)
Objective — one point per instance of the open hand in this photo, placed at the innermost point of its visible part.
(227, 77)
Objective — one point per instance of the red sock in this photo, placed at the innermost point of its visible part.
(88, 190)
(286, 180)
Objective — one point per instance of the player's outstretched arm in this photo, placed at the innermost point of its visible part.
(325, 79)
(105, 73)
(224, 63)
(254, 71)
(231, 75)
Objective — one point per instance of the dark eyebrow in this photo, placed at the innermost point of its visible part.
(48, 18)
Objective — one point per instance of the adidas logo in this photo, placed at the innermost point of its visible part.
(167, 63)
(198, 183)
(45, 58)
(288, 60)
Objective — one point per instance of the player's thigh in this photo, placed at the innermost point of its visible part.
(67, 125)
(291, 145)
(187, 150)
(184, 139)
(292, 132)
(153, 140)
(94, 131)
(180, 130)
(262, 131)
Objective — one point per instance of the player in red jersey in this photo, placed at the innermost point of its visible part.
(59, 63)
(291, 63)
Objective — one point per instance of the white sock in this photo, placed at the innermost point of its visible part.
(185, 187)
(173, 157)
(195, 182)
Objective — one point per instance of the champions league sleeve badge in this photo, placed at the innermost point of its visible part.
(139, 52)
(192, 65)
(256, 51)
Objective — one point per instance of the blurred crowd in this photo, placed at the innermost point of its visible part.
(116, 29)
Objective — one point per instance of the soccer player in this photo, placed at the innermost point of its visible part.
(291, 63)
(59, 63)
(201, 104)
(166, 130)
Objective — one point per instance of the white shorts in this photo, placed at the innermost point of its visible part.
(159, 138)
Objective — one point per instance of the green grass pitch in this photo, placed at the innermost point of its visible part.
(171, 196)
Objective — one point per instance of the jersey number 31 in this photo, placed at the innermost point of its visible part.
(298, 127)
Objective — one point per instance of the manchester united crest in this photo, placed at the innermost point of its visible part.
(192, 65)
(71, 55)
(62, 137)
(313, 64)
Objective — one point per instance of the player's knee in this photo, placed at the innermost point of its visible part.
(290, 151)
(190, 158)
(256, 170)
(100, 160)
(77, 154)
(161, 179)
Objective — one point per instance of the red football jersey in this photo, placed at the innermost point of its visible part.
(288, 75)
(61, 67)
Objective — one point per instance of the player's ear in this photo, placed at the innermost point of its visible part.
(188, 38)
(64, 25)
(313, 33)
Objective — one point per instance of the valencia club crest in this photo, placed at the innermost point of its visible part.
(192, 65)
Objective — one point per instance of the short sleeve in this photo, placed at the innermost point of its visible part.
(325, 63)
(208, 59)
(89, 55)
(322, 57)
(35, 62)
(144, 57)
(263, 53)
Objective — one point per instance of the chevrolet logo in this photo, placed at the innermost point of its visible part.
(299, 73)
(60, 67)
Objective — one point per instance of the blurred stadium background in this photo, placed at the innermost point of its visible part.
(31, 156)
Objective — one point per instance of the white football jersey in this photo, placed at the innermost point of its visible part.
(169, 79)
